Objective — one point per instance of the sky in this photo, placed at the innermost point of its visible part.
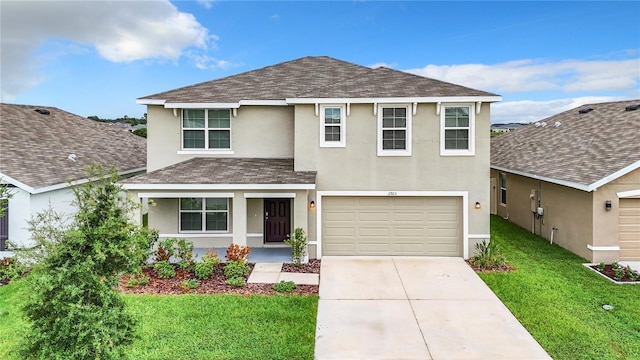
(98, 57)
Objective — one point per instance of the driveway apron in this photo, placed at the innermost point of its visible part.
(413, 308)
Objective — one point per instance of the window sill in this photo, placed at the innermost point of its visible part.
(196, 234)
(205, 152)
(393, 153)
(333, 145)
(457, 153)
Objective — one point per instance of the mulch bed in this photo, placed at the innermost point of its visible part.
(504, 268)
(216, 283)
(611, 274)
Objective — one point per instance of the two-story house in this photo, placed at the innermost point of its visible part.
(366, 161)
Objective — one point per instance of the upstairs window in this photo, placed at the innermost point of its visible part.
(394, 131)
(206, 129)
(457, 130)
(332, 126)
(204, 214)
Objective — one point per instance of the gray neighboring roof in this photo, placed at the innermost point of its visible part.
(311, 77)
(34, 148)
(585, 151)
(217, 171)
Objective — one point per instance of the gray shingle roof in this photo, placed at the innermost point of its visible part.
(584, 149)
(227, 171)
(34, 148)
(311, 77)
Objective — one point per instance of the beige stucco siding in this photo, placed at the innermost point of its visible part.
(256, 132)
(358, 167)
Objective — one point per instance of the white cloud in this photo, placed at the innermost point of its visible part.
(540, 75)
(530, 111)
(206, 3)
(120, 31)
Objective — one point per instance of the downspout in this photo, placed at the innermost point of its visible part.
(553, 229)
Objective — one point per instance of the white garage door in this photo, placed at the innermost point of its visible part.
(629, 229)
(392, 226)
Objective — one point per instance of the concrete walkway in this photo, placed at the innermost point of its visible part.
(271, 273)
(414, 308)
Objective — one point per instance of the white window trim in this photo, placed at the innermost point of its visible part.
(204, 212)
(343, 127)
(502, 202)
(472, 131)
(409, 140)
(206, 150)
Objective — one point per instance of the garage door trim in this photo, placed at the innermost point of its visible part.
(464, 195)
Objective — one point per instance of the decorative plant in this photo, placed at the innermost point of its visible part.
(615, 265)
(601, 266)
(237, 252)
(137, 280)
(189, 284)
(298, 244)
(164, 269)
(488, 256)
(619, 273)
(205, 268)
(284, 286)
(235, 271)
(184, 253)
(633, 275)
(165, 250)
(236, 282)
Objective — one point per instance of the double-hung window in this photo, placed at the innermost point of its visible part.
(204, 214)
(457, 130)
(503, 188)
(394, 130)
(332, 126)
(206, 129)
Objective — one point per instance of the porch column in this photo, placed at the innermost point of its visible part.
(301, 211)
(239, 219)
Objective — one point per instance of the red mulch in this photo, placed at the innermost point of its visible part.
(216, 283)
(611, 274)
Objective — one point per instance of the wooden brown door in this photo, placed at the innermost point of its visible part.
(277, 219)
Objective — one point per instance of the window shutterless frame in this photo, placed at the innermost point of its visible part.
(394, 130)
(206, 129)
(203, 215)
(457, 130)
(503, 188)
(333, 126)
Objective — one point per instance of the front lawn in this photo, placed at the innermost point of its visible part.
(198, 326)
(559, 301)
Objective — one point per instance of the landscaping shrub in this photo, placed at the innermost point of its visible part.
(189, 284)
(236, 269)
(284, 286)
(165, 250)
(73, 309)
(205, 268)
(488, 256)
(137, 280)
(298, 244)
(164, 269)
(236, 252)
(10, 269)
(236, 281)
(184, 253)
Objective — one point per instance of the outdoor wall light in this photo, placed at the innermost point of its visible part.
(607, 205)
(312, 204)
(477, 204)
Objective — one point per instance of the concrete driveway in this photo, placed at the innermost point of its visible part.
(413, 308)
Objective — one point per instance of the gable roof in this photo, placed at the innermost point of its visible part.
(232, 173)
(579, 148)
(35, 147)
(312, 77)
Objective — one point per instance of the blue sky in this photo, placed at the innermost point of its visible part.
(97, 57)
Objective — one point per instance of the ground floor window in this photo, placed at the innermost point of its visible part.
(204, 214)
(503, 188)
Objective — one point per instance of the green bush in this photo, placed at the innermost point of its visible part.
(184, 253)
(164, 269)
(137, 280)
(165, 250)
(189, 284)
(488, 256)
(284, 286)
(10, 269)
(236, 281)
(72, 308)
(205, 268)
(298, 244)
(234, 269)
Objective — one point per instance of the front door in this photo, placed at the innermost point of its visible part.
(277, 219)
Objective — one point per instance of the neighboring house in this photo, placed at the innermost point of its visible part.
(575, 178)
(366, 161)
(504, 128)
(43, 148)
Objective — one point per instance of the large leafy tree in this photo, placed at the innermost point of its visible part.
(74, 311)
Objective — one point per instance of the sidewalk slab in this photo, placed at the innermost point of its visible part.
(261, 277)
(300, 278)
(268, 267)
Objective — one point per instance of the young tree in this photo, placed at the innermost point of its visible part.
(73, 308)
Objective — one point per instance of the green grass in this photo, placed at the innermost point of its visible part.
(559, 301)
(198, 326)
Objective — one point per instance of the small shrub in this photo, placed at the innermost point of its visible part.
(165, 250)
(205, 268)
(236, 269)
(236, 281)
(10, 269)
(619, 273)
(633, 275)
(184, 253)
(601, 266)
(284, 286)
(189, 284)
(136, 280)
(236, 252)
(615, 265)
(164, 269)
(298, 244)
(488, 256)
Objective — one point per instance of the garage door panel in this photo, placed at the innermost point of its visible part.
(392, 226)
(629, 229)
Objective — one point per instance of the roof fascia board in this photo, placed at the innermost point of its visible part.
(81, 181)
(201, 105)
(158, 187)
(615, 175)
(394, 100)
(9, 180)
(150, 101)
(570, 184)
